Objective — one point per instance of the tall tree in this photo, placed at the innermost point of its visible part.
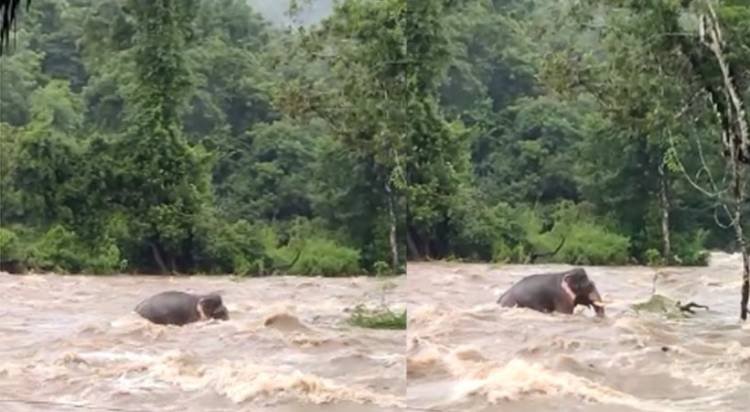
(437, 155)
(665, 60)
(363, 48)
(162, 184)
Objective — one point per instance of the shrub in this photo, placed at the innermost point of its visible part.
(689, 250)
(378, 318)
(238, 247)
(503, 253)
(382, 269)
(10, 248)
(60, 249)
(517, 233)
(654, 257)
(56, 250)
(106, 259)
(253, 249)
(322, 257)
(486, 232)
(588, 242)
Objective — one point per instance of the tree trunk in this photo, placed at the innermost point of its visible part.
(730, 109)
(393, 238)
(739, 195)
(426, 253)
(664, 203)
(172, 264)
(412, 245)
(158, 258)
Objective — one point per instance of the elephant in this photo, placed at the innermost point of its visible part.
(554, 292)
(180, 308)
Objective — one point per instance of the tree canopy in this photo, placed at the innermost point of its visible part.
(167, 136)
(199, 137)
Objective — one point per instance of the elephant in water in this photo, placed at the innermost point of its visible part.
(180, 308)
(554, 292)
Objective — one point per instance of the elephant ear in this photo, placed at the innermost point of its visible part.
(209, 303)
(565, 284)
(578, 280)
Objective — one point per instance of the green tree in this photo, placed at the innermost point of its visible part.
(162, 185)
(363, 48)
(660, 63)
(437, 155)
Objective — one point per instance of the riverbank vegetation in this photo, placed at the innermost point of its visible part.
(194, 136)
(603, 123)
(382, 318)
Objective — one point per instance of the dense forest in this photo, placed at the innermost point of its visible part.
(598, 128)
(197, 137)
(510, 129)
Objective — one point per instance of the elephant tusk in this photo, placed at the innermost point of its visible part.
(598, 303)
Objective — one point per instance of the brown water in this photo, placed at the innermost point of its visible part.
(465, 353)
(74, 340)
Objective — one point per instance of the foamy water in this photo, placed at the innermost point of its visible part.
(74, 340)
(465, 353)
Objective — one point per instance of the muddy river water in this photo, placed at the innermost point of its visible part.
(72, 343)
(467, 354)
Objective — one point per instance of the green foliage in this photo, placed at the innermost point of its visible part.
(11, 196)
(381, 268)
(60, 249)
(486, 232)
(323, 257)
(22, 70)
(586, 241)
(10, 248)
(55, 106)
(352, 77)
(568, 132)
(46, 173)
(162, 185)
(270, 172)
(377, 318)
(690, 250)
(438, 161)
(228, 248)
(154, 127)
(654, 258)
(590, 244)
(194, 136)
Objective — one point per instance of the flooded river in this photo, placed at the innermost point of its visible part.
(465, 353)
(75, 342)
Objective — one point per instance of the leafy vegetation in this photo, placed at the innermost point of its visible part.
(216, 142)
(378, 318)
(535, 121)
(158, 136)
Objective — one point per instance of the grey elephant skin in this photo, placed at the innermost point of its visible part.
(554, 292)
(180, 308)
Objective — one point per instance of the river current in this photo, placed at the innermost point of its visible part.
(73, 343)
(465, 353)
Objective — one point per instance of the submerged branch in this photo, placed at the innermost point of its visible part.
(689, 307)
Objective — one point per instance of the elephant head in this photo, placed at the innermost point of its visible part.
(212, 307)
(582, 291)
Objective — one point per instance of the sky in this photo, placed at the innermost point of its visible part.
(274, 10)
